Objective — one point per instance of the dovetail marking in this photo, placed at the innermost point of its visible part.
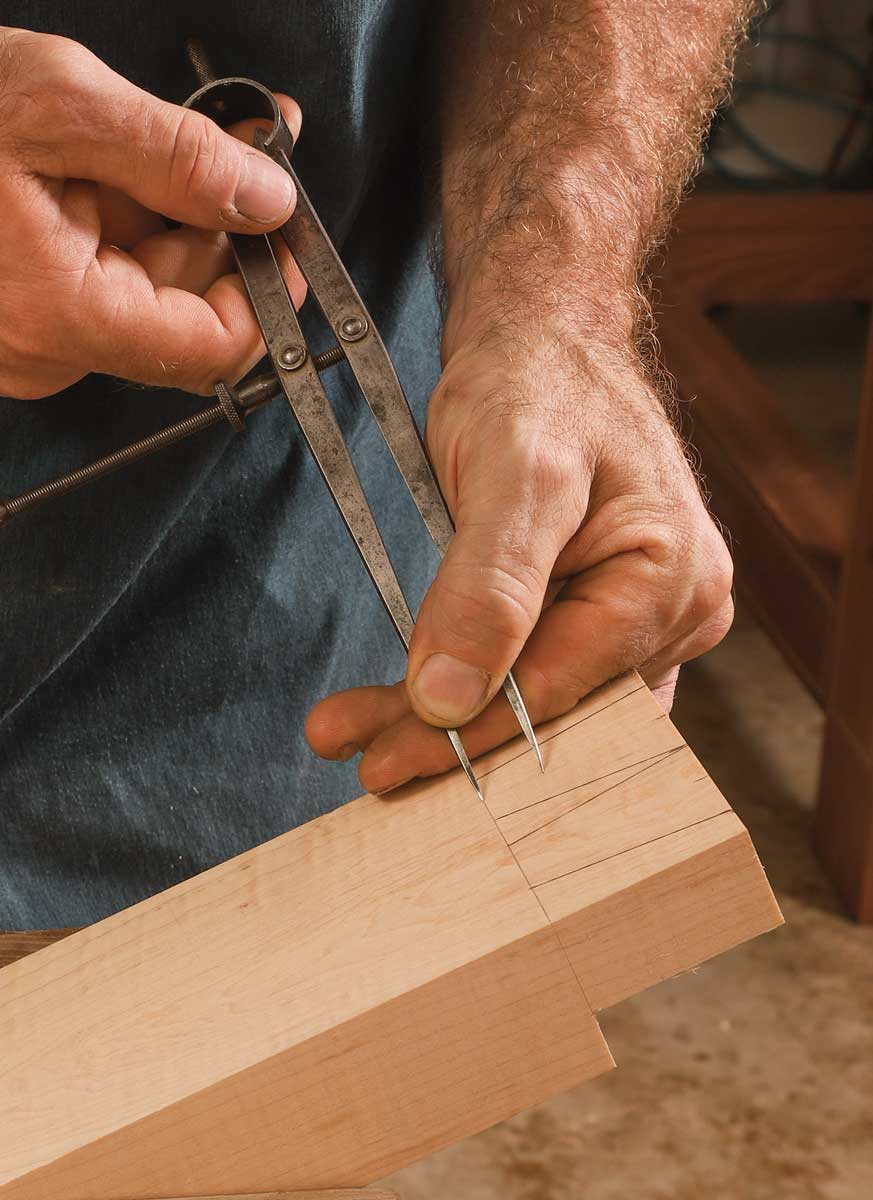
(630, 849)
(587, 783)
(566, 729)
(648, 764)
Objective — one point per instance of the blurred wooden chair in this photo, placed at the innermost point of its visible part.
(802, 535)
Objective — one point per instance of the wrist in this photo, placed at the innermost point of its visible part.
(562, 364)
(570, 358)
(559, 268)
(522, 304)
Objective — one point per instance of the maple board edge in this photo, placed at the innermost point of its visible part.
(512, 1028)
(688, 906)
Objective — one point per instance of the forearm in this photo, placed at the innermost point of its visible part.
(569, 129)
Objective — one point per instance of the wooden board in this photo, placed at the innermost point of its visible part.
(379, 983)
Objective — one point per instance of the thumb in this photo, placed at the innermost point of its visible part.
(482, 606)
(172, 160)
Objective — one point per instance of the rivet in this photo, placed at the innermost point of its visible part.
(352, 329)
(292, 357)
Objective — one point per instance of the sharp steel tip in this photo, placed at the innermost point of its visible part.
(474, 782)
(454, 738)
(535, 746)
(514, 697)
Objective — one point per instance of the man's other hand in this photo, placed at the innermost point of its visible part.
(92, 278)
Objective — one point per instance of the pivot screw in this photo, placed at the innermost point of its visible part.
(352, 329)
(292, 357)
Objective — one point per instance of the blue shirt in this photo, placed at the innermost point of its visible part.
(164, 632)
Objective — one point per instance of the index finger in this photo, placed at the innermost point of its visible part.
(164, 336)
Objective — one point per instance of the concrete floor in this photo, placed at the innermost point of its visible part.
(751, 1079)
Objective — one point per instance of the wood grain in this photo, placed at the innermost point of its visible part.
(14, 946)
(659, 909)
(376, 984)
(755, 248)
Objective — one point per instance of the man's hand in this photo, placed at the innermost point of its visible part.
(569, 128)
(582, 549)
(92, 279)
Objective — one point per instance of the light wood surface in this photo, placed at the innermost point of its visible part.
(321, 1194)
(379, 983)
(659, 909)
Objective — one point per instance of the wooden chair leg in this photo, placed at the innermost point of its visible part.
(844, 822)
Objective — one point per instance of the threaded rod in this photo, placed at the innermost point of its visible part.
(260, 390)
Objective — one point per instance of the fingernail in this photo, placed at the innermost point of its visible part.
(349, 750)
(449, 689)
(264, 191)
(394, 786)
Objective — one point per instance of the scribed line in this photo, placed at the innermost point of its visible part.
(648, 765)
(597, 862)
(587, 783)
(550, 924)
(566, 729)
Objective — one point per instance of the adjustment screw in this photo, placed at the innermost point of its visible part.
(292, 357)
(352, 329)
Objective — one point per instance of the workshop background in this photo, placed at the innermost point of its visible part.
(753, 1078)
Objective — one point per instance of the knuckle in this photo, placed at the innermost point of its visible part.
(713, 629)
(722, 620)
(538, 461)
(17, 89)
(65, 64)
(478, 604)
(199, 162)
(47, 84)
(61, 74)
